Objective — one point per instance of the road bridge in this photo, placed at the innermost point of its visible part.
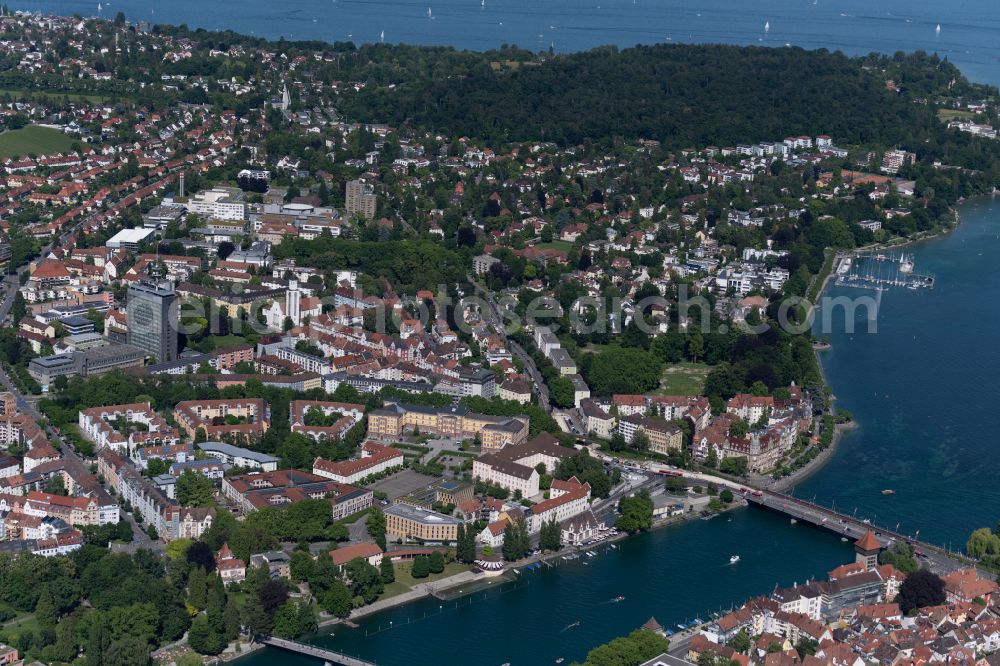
(851, 527)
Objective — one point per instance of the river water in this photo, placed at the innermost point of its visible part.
(969, 35)
(673, 574)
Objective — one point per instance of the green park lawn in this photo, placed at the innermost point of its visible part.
(14, 628)
(53, 95)
(223, 341)
(405, 581)
(33, 140)
(565, 246)
(951, 114)
(684, 379)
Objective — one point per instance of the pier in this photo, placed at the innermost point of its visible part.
(330, 656)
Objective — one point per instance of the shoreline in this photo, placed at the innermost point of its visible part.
(817, 463)
(476, 583)
(814, 466)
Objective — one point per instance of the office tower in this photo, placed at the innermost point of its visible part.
(153, 319)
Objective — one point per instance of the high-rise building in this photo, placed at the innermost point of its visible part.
(360, 199)
(153, 319)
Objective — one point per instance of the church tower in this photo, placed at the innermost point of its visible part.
(292, 302)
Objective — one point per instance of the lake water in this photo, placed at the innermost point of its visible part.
(922, 390)
(969, 36)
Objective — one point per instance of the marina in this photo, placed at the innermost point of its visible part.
(880, 271)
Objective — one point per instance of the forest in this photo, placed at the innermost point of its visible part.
(682, 95)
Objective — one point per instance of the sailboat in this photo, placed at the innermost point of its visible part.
(430, 14)
(767, 26)
(99, 8)
(937, 30)
(381, 37)
(482, 4)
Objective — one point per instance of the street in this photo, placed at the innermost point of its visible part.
(516, 349)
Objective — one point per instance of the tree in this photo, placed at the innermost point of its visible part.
(203, 639)
(921, 588)
(983, 544)
(19, 308)
(255, 618)
(386, 569)
(726, 496)
(675, 485)
(194, 489)
(900, 555)
(308, 622)
(199, 554)
(337, 600)
(364, 580)
(421, 567)
(636, 648)
(562, 391)
(301, 566)
(98, 641)
(323, 575)
(286, 620)
(739, 428)
(741, 642)
(198, 588)
(55, 485)
(46, 613)
(516, 542)
(465, 550)
(550, 537)
(435, 563)
(225, 249)
(640, 441)
(586, 469)
(272, 595)
(216, 604)
(127, 651)
(806, 647)
(735, 465)
(375, 521)
(231, 619)
(635, 513)
(625, 370)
